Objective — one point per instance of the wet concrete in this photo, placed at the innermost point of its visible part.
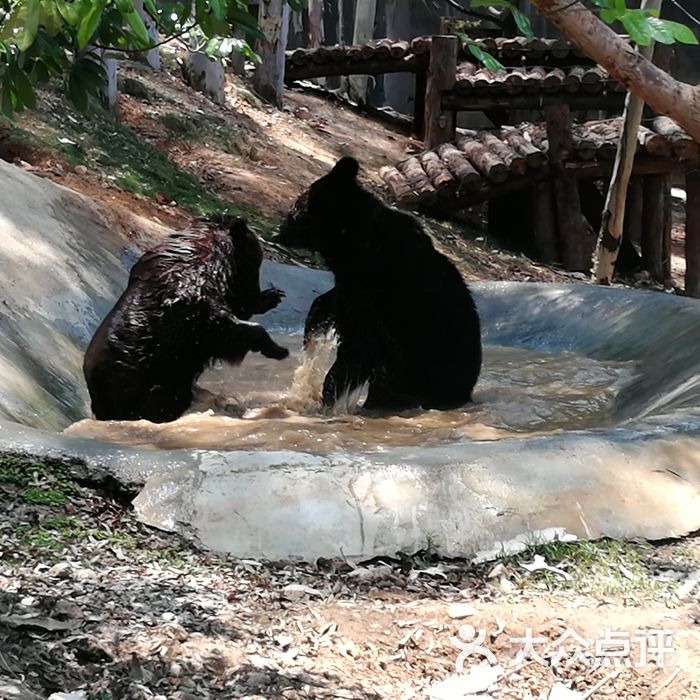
(637, 477)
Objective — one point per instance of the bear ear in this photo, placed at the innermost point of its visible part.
(346, 168)
(238, 228)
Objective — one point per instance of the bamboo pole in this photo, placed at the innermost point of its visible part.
(611, 228)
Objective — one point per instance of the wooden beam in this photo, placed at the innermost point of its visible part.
(442, 73)
(537, 100)
(692, 234)
(653, 225)
(576, 237)
(372, 66)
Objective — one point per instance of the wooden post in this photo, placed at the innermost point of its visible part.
(545, 223)
(419, 104)
(654, 225)
(442, 74)
(666, 230)
(692, 234)
(269, 75)
(576, 237)
(635, 206)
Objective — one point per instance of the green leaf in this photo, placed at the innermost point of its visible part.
(32, 10)
(681, 33)
(608, 16)
(488, 60)
(244, 20)
(218, 9)
(41, 72)
(50, 18)
(92, 74)
(69, 12)
(77, 92)
(89, 23)
(523, 24)
(660, 32)
(23, 89)
(138, 27)
(637, 26)
(150, 7)
(6, 98)
(499, 4)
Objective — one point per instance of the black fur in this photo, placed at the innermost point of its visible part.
(405, 318)
(187, 303)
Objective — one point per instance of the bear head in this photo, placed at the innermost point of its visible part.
(321, 214)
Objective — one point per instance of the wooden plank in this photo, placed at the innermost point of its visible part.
(442, 73)
(307, 71)
(485, 99)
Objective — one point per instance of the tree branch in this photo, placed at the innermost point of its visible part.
(599, 42)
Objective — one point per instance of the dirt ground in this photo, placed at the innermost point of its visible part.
(94, 603)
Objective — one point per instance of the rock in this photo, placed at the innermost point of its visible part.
(468, 685)
(80, 170)
(460, 610)
(61, 570)
(561, 692)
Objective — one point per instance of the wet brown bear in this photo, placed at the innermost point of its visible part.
(187, 303)
(405, 319)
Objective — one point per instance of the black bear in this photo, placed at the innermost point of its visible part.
(187, 303)
(405, 319)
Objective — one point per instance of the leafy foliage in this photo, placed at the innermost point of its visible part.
(43, 39)
(643, 26)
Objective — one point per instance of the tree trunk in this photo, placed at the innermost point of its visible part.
(315, 23)
(151, 57)
(611, 229)
(640, 76)
(365, 13)
(269, 75)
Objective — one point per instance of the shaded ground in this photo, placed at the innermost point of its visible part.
(91, 600)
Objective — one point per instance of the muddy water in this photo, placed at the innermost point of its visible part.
(276, 405)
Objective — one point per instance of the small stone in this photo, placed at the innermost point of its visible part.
(168, 617)
(175, 670)
(28, 602)
(80, 170)
(84, 575)
(61, 570)
(460, 610)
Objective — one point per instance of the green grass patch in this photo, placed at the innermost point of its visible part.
(41, 482)
(601, 567)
